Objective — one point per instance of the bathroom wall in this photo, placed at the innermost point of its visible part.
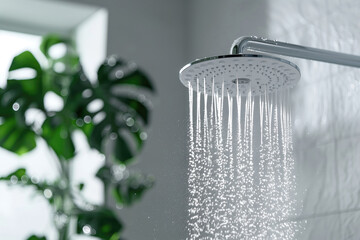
(326, 114)
(212, 25)
(326, 109)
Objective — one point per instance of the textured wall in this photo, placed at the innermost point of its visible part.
(326, 114)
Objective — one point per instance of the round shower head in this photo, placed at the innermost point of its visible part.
(256, 73)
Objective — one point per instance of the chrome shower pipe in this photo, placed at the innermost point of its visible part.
(256, 45)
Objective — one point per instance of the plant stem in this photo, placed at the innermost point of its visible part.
(106, 193)
(108, 150)
(63, 232)
(67, 201)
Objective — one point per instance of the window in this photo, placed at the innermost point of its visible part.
(22, 211)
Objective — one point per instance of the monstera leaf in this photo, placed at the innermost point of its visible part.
(17, 174)
(18, 96)
(61, 66)
(26, 88)
(101, 223)
(35, 237)
(49, 41)
(16, 138)
(57, 131)
(116, 116)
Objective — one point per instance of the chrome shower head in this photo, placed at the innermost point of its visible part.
(244, 70)
(239, 74)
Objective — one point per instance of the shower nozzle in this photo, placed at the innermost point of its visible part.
(252, 67)
(240, 74)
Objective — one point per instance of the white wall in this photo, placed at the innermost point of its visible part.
(212, 26)
(326, 113)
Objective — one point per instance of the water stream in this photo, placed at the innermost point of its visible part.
(241, 166)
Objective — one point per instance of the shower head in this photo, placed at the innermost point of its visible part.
(250, 68)
(239, 74)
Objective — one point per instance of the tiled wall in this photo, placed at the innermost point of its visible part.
(326, 112)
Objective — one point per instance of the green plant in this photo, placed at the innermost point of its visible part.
(118, 121)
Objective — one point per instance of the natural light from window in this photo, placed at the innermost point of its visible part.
(21, 206)
(13, 43)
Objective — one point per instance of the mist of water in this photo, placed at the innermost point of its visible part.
(241, 166)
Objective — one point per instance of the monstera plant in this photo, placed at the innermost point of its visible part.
(109, 111)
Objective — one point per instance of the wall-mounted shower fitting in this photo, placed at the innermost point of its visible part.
(252, 66)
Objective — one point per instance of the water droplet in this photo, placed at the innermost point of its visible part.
(113, 136)
(25, 179)
(130, 122)
(119, 74)
(48, 193)
(87, 119)
(87, 229)
(111, 61)
(34, 180)
(13, 179)
(16, 106)
(143, 136)
(79, 122)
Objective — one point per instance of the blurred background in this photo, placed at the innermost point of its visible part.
(161, 36)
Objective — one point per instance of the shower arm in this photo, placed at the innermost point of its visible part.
(251, 45)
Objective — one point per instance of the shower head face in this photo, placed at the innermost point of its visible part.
(239, 74)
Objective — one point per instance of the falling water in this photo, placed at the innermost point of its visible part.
(241, 166)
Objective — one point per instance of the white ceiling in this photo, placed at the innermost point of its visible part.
(43, 16)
